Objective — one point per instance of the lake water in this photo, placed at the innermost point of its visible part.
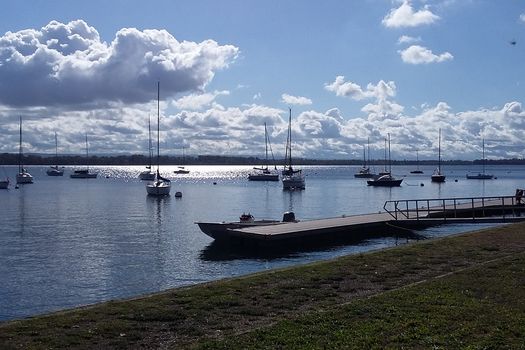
(68, 242)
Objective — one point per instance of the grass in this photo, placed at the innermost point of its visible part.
(463, 291)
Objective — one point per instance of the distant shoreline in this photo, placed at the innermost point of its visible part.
(138, 159)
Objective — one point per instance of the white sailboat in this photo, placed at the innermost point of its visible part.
(160, 186)
(181, 169)
(23, 177)
(54, 170)
(482, 175)
(84, 173)
(147, 174)
(365, 172)
(438, 176)
(265, 174)
(292, 179)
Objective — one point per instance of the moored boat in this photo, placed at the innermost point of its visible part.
(438, 176)
(386, 180)
(23, 176)
(292, 179)
(84, 173)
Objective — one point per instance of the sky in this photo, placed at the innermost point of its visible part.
(351, 72)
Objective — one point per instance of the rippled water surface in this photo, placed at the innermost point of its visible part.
(67, 242)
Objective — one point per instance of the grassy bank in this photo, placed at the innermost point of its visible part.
(451, 292)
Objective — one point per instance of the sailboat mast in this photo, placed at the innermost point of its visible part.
(266, 145)
(158, 128)
(385, 157)
(368, 150)
(149, 140)
(20, 149)
(439, 152)
(56, 149)
(87, 154)
(389, 159)
(483, 160)
(289, 140)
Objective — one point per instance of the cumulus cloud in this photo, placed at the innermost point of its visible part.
(198, 101)
(522, 17)
(416, 54)
(405, 39)
(295, 100)
(349, 89)
(68, 64)
(405, 16)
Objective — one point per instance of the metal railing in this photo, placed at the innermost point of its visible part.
(474, 207)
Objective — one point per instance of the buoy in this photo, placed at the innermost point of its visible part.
(178, 194)
(215, 183)
(422, 184)
(456, 180)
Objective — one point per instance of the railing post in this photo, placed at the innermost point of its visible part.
(417, 210)
(455, 209)
(428, 208)
(444, 211)
(473, 210)
(503, 207)
(395, 209)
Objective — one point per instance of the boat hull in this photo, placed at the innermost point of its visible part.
(181, 171)
(295, 182)
(263, 177)
(385, 183)
(83, 174)
(364, 175)
(24, 178)
(158, 189)
(480, 177)
(220, 230)
(438, 178)
(4, 184)
(54, 172)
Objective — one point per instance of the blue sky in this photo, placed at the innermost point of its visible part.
(350, 70)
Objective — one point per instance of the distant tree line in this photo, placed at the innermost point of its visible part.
(138, 159)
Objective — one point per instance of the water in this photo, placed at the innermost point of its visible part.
(68, 242)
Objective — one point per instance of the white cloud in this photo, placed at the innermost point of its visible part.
(405, 39)
(405, 16)
(198, 101)
(73, 66)
(295, 100)
(522, 17)
(349, 89)
(416, 54)
(257, 96)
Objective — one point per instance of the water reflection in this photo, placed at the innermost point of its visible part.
(158, 207)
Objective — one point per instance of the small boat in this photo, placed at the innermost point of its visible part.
(417, 171)
(148, 175)
(365, 172)
(54, 170)
(84, 173)
(265, 173)
(438, 176)
(181, 169)
(292, 179)
(23, 177)
(386, 180)
(222, 230)
(482, 175)
(4, 184)
(160, 186)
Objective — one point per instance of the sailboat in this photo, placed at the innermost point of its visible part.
(147, 174)
(386, 180)
(160, 186)
(365, 171)
(292, 179)
(84, 173)
(482, 175)
(182, 169)
(385, 170)
(417, 171)
(54, 170)
(23, 177)
(438, 176)
(265, 173)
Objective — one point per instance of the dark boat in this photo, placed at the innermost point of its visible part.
(386, 180)
(438, 176)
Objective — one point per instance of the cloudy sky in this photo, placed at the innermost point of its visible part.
(349, 71)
